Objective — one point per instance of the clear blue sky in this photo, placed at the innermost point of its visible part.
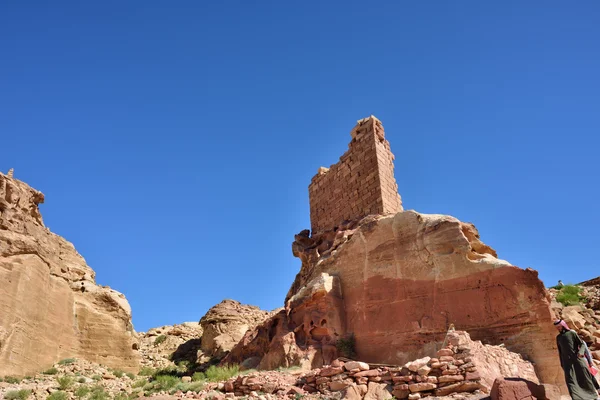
(175, 140)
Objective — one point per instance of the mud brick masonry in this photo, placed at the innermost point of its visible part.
(360, 184)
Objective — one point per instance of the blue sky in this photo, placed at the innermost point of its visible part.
(175, 141)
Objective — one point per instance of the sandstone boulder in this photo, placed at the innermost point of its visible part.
(226, 323)
(522, 389)
(50, 305)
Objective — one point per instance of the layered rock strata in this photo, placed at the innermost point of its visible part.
(405, 279)
(50, 305)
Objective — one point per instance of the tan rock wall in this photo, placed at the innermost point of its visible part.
(50, 305)
(360, 184)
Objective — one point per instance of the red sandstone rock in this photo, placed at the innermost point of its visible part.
(445, 353)
(450, 378)
(513, 390)
(378, 391)
(331, 371)
(353, 365)
(449, 261)
(459, 387)
(369, 373)
(421, 387)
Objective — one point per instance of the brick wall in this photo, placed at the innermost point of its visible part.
(360, 184)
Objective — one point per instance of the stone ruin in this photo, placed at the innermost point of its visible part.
(360, 184)
(395, 280)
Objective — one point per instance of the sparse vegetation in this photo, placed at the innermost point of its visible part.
(130, 375)
(81, 380)
(58, 395)
(139, 383)
(170, 370)
(97, 378)
(22, 394)
(198, 376)
(569, 295)
(66, 361)
(118, 373)
(147, 371)
(11, 379)
(347, 346)
(215, 374)
(161, 383)
(82, 391)
(51, 371)
(65, 382)
(188, 387)
(98, 393)
(160, 339)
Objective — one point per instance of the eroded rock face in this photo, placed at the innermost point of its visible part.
(226, 323)
(50, 305)
(304, 334)
(406, 278)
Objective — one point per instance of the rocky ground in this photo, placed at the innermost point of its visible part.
(453, 374)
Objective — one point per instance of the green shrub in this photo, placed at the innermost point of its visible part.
(118, 373)
(198, 376)
(188, 387)
(51, 371)
(11, 379)
(82, 391)
(98, 393)
(215, 374)
(160, 339)
(120, 396)
(130, 375)
(66, 361)
(165, 382)
(81, 380)
(569, 295)
(139, 383)
(170, 370)
(147, 371)
(347, 346)
(17, 394)
(97, 378)
(65, 382)
(58, 395)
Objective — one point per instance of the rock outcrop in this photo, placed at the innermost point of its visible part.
(401, 281)
(226, 323)
(169, 345)
(50, 305)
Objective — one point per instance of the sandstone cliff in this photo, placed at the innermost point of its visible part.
(50, 305)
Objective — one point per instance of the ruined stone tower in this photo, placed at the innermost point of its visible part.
(360, 184)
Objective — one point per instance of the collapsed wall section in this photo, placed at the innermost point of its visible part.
(360, 184)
